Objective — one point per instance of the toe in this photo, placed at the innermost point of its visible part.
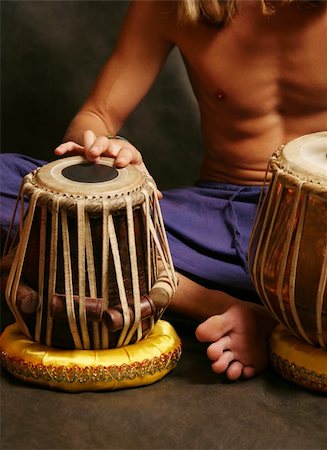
(215, 350)
(212, 329)
(234, 371)
(223, 362)
(248, 372)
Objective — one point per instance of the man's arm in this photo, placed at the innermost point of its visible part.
(141, 51)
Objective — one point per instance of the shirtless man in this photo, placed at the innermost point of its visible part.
(260, 81)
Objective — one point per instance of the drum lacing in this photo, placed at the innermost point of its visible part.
(161, 276)
(293, 176)
(93, 204)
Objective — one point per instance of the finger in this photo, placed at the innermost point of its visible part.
(68, 147)
(159, 194)
(88, 139)
(92, 153)
(129, 155)
(143, 168)
(101, 146)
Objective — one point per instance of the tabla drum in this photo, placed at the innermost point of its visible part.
(288, 259)
(96, 267)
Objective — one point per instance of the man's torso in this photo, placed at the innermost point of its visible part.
(260, 81)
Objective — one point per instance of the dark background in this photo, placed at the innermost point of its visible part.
(51, 54)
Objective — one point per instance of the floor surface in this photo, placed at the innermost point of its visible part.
(191, 408)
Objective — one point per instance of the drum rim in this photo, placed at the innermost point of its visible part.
(39, 181)
(49, 177)
(292, 170)
(293, 180)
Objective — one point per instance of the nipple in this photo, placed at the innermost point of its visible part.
(220, 95)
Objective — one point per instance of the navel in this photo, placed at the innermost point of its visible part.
(281, 109)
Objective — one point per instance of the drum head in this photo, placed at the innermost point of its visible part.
(306, 157)
(76, 176)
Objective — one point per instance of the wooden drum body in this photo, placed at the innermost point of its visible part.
(288, 249)
(93, 249)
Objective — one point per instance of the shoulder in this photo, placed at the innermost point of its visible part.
(160, 10)
(158, 16)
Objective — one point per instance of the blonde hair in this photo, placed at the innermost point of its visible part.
(210, 11)
(219, 12)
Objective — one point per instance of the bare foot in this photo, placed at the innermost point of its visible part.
(238, 340)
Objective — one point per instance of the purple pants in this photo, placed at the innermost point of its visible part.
(208, 226)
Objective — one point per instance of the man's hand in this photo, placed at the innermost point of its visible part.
(93, 147)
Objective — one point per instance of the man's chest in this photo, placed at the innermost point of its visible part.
(257, 69)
